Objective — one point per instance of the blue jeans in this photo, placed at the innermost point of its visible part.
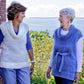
(12, 76)
(60, 80)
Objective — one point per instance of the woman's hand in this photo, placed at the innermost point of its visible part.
(48, 72)
(32, 68)
(0, 47)
(1, 80)
(77, 77)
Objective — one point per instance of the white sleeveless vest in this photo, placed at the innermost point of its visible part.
(14, 54)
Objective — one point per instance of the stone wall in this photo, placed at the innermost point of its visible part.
(2, 10)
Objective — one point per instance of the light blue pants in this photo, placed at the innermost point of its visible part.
(12, 76)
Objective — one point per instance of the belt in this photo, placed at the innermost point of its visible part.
(62, 61)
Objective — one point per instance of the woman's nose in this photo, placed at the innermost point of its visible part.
(59, 18)
(23, 15)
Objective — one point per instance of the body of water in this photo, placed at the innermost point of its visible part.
(50, 24)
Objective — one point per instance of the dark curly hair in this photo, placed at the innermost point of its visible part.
(14, 9)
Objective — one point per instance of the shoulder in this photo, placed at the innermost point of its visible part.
(3, 24)
(25, 26)
(77, 31)
(79, 34)
(55, 32)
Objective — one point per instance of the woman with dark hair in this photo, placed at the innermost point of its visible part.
(67, 52)
(15, 43)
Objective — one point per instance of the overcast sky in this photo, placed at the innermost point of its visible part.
(50, 8)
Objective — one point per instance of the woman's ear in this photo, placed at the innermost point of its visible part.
(16, 15)
(69, 17)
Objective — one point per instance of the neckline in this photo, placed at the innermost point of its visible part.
(12, 32)
(16, 32)
(64, 32)
(63, 37)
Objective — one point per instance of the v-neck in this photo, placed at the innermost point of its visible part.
(16, 32)
(21, 31)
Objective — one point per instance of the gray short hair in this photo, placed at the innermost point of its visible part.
(68, 12)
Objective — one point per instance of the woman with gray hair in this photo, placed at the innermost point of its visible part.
(67, 52)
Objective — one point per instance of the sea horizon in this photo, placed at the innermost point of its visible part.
(51, 17)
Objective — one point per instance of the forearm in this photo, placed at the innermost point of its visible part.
(79, 50)
(51, 58)
(31, 56)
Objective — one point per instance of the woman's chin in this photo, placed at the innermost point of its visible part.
(61, 25)
(21, 21)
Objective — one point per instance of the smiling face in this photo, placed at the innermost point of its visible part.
(20, 17)
(64, 20)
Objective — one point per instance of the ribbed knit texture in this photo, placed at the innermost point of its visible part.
(64, 55)
(14, 53)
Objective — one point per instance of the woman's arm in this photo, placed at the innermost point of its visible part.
(31, 56)
(79, 53)
(50, 64)
(79, 50)
(30, 52)
(29, 48)
(51, 58)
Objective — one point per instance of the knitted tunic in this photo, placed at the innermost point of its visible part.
(14, 53)
(64, 54)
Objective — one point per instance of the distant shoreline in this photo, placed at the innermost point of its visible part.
(53, 17)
